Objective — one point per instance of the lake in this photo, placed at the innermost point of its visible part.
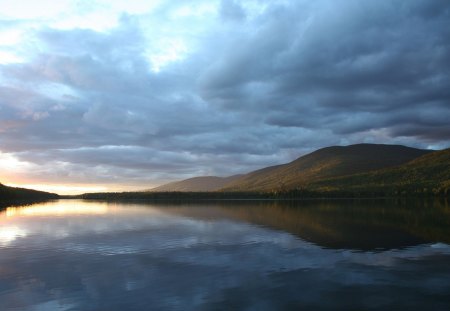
(230, 255)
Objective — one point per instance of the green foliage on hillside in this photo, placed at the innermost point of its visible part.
(426, 175)
(325, 163)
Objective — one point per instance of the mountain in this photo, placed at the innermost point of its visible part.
(12, 193)
(199, 184)
(428, 174)
(326, 163)
(364, 170)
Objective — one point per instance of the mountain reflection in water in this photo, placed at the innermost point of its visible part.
(374, 254)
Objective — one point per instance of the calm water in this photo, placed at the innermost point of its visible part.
(312, 255)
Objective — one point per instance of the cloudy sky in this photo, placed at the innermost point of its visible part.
(107, 95)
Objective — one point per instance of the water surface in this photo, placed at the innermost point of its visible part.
(321, 255)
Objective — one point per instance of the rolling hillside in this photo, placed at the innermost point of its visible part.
(428, 174)
(11, 193)
(204, 183)
(365, 170)
(326, 163)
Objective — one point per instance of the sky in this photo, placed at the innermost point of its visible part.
(105, 95)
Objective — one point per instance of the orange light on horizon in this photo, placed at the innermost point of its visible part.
(60, 189)
(71, 189)
(16, 173)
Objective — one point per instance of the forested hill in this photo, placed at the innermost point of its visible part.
(12, 193)
(428, 174)
(325, 163)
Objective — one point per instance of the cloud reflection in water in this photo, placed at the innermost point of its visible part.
(136, 257)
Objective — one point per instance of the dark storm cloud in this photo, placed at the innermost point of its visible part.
(354, 59)
(262, 86)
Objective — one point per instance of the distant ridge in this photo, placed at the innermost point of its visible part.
(196, 184)
(325, 163)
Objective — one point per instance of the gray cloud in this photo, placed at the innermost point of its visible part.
(231, 10)
(259, 88)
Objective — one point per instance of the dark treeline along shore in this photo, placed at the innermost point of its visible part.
(362, 170)
(18, 194)
(276, 195)
(12, 196)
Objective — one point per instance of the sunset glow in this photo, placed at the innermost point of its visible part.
(62, 189)
(55, 210)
